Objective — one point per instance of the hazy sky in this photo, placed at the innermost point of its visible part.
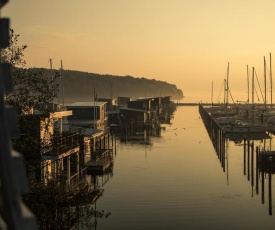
(187, 43)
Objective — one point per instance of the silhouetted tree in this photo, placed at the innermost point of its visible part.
(30, 88)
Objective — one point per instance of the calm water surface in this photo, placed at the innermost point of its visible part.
(178, 182)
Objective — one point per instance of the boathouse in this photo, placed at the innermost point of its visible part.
(49, 153)
(141, 104)
(138, 115)
(111, 103)
(122, 101)
(89, 115)
(90, 119)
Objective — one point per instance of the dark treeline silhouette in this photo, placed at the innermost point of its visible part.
(80, 85)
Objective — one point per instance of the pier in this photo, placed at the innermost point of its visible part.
(237, 119)
(101, 161)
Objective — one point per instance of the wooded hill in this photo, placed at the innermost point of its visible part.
(80, 86)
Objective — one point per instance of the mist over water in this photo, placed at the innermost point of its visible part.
(218, 97)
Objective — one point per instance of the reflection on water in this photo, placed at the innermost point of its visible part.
(258, 165)
(189, 177)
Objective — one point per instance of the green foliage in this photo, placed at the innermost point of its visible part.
(58, 207)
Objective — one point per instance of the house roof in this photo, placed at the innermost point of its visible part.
(89, 104)
(136, 110)
(81, 122)
(150, 98)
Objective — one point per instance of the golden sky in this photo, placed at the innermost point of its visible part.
(187, 43)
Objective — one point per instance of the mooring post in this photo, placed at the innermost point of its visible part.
(248, 160)
(269, 185)
(244, 157)
(223, 156)
(262, 178)
(257, 170)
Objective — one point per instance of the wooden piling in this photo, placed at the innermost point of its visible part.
(270, 185)
(262, 178)
(244, 157)
(257, 170)
(248, 160)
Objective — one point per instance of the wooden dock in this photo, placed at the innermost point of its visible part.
(99, 165)
(248, 127)
(102, 160)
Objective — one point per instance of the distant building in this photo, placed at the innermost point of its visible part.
(136, 115)
(89, 115)
(143, 104)
(122, 101)
(111, 103)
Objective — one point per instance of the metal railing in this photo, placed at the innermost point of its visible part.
(62, 144)
(77, 179)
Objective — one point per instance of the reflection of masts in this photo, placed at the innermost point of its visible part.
(266, 163)
(227, 171)
(252, 166)
(269, 185)
(257, 170)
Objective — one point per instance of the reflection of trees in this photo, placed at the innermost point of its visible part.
(57, 207)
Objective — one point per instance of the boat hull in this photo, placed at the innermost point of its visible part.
(245, 129)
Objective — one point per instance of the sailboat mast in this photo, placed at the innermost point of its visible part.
(62, 82)
(212, 94)
(252, 86)
(270, 80)
(227, 89)
(264, 82)
(51, 67)
(247, 73)
(253, 95)
(224, 96)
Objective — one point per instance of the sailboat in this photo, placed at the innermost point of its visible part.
(225, 115)
(247, 128)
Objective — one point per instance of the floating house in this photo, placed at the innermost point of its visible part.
(49, 153)
(111, 103)
(122, 101)
(89, 115)
(91, 120)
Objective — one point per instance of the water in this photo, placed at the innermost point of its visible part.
(179, 183)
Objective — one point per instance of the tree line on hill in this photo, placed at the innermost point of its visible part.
(79, 85)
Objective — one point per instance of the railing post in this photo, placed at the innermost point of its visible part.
(68, 169)
(77, 163)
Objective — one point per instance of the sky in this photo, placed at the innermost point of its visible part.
(186, 43)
